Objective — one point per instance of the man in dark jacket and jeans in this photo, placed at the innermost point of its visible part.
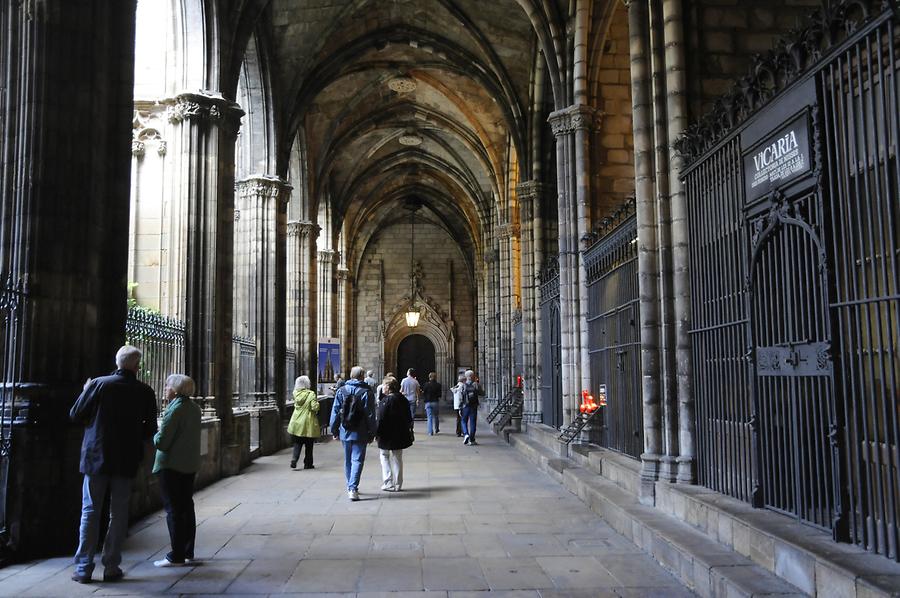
(119, 415)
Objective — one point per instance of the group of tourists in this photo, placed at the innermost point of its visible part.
(363, 413)
(120, 414)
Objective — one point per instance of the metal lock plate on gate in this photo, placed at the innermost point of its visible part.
(788, 359)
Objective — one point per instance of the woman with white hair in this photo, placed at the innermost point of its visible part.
(304, 425)
(177, 462)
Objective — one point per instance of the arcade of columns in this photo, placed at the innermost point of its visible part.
(244, 267)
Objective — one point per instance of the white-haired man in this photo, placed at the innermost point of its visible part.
(353, 421)
(119, 415)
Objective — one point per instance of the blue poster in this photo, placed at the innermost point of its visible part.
(329, 360)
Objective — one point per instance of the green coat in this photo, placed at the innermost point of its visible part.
(304, 421)
(178, 440)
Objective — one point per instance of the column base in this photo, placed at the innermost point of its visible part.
(686, 474)
(231, 459)
(668, 469)
(650, 464)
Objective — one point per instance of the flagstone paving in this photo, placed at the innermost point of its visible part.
(470, 522)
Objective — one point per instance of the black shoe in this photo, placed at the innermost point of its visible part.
(86, 578)
(113, 575)
(309, 467)
(293, 465)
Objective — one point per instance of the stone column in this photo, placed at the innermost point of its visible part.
(260, 210)
(204, 132)
(67, 73)
(506, 303)
(571, 127)
(648, 248)
(326, 293)
(342, 294)
(529, 194)
(301, 277)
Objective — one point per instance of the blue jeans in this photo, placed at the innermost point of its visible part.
(93, 492)
(412, 410)
(469, 421)
(431, 411)
(354, 458)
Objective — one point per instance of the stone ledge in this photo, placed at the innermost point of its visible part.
(802, 555)
(705, 566)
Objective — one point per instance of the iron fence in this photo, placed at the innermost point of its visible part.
(796, 288)
(244, 374)
(614, 335)
(161, 341)
(12, 302)
(551, 348)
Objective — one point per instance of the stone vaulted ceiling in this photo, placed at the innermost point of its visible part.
(449, 139)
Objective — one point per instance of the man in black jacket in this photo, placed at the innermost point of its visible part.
(119, 415)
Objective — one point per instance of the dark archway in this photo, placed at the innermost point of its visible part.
(416, 351)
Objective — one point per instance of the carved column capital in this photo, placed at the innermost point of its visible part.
(507, 230)
(206, 108)
(574, 118)
(302, 228)
(137, 148)
(342, 273)
(326, 256)
(264, 186)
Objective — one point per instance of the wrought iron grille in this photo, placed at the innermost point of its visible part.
(161, 340)
(718, 243)
(797, 292)
(244, 356)
(551, 348)
(614, 332)
(12, 302)
(861, 106)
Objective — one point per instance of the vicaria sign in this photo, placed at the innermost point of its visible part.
(777, 159)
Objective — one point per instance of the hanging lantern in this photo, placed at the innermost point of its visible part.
(412, 317)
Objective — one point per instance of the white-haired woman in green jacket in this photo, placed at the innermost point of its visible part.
(304, 425)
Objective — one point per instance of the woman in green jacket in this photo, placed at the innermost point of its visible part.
(304, 425)
(177, 462)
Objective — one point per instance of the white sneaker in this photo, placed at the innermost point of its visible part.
(353, 495)
(167, 563)
(466, 439)
(387, 487)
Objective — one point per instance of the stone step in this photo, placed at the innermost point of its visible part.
(705, 566)
(804, 556)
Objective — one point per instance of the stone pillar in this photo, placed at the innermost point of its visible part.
(301, 293)
(342, 294)
(66, 105)
(571, 127)
(506, 303)
(648, 248)
(260, 242)
(529, 194)
(204, 132)
(326, 293)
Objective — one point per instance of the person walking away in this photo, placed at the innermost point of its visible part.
(304, 424)
(371, 381)
(471, 392)
(458, 402)
(393, 435)
(176, 465)
(411, 390)
(353, 421)
(431, 394)
(119, 415)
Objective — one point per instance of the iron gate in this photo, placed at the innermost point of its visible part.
(614, 333)
(793, 188)
(551, 347)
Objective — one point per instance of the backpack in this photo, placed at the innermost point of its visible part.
(470, 393)
(352, 411)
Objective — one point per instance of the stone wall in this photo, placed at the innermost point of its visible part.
(613, 158)
(435, 249)
(725, 34)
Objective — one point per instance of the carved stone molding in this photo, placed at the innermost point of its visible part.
(775, 70)
(265, 186)
(211, 109)
(507, 230)
(137, 148)
(574, 118)
(342, 273)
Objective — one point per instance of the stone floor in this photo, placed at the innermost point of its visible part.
(471, 521)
